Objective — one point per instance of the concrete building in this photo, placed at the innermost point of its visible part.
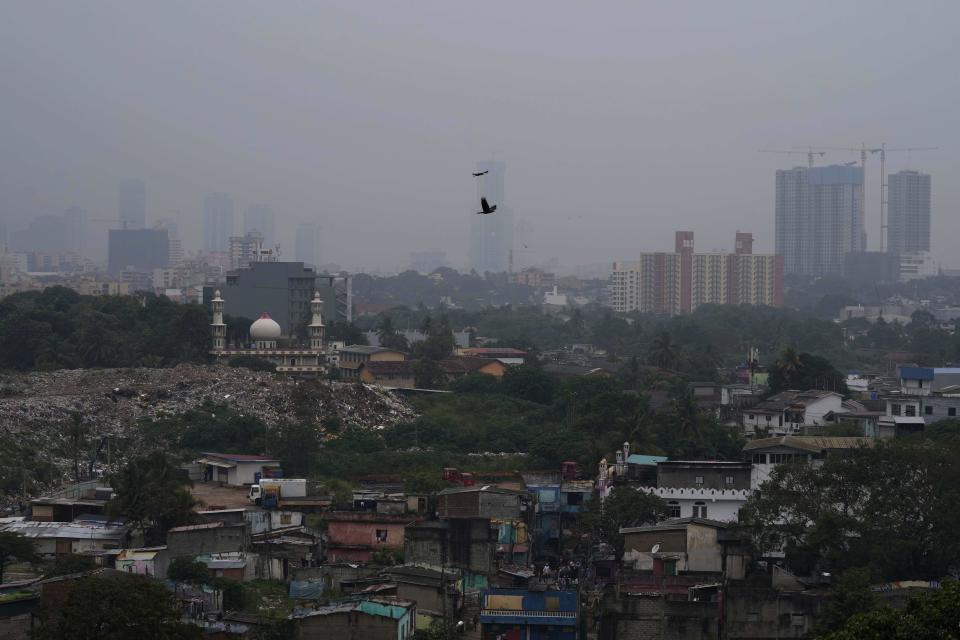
(141, 250)
(173, 237)
(285, 289)
(208, 538)
(767, 453)
(259, 218)
(914, 265)
(525, 615)
(469, 544)
(787, 412)
(908, 217)
(871, 267)
(685, 545)
(132, 204)
(819, 218)
(217, 222)
(306, 245)
(681, 281)
(355, 536)
(491, 236)
(353, 356)
(702, 489)
(236, 469)
(249, 248)
(403, 374)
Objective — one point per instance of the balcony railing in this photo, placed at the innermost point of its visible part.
(527, 614)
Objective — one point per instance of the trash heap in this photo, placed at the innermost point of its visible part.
(36, 409)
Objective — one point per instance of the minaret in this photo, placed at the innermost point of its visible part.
(218, 330)
(316, 323)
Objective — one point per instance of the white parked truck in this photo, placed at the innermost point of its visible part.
(270, 491)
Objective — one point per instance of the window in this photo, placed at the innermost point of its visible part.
(673, 509)
(698, 481)
(928, 410)
(669, 567)
(751, 416)
(286, 518)
(760, 458)
(574, 499)
(729, 481)
(894, 409)
(951, 411)
(910, 410)
(699, 509)
(381, 535)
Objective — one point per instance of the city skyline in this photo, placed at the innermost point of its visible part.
(617, 125)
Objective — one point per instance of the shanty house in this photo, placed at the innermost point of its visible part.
(368, 619)
(237, 469)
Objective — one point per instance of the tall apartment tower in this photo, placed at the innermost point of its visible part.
(132, 204)
(908, 229)
(259, 218)
(217, 222)
(819, 218)
(306, 243)
(491, 236)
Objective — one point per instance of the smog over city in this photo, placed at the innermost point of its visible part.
(618, 123)
(488, 320)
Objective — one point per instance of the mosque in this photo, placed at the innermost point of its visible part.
(267, 337)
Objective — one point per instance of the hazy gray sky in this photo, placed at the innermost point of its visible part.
(619, 121)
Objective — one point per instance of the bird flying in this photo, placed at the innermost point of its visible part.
(482, 173)
(486, 207)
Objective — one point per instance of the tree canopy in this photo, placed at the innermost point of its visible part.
(151, 495)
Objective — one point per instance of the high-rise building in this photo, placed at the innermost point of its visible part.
(249, 248)
(44, 234)
(305, 248)
(217, 222)
(819, 218)
(137, 250)
(173, 235)
(259, 218)
(491, 235)
(427, 262)
(3, 237)
(908, 229)
(285, 289)
(133, 204)
(679, 282)
(74, 229)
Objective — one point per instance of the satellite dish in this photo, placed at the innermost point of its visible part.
(656, 548)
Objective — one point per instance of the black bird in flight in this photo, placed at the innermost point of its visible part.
(486, 207)
(482, 173)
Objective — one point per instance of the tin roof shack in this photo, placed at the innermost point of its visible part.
(213, 537)
(62, 509)
(466, 543)
(520, 613)
(425, 586)
(63, 538)
(236, 469)
(368, 619)
(146, 561)
(355, 536)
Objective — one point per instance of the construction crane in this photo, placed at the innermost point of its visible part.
(882, 150)
(809, 153)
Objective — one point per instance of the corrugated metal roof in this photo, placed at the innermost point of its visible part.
(814, 444)
(197, 527)
(238, 457)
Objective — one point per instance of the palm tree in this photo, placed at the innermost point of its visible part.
(789, 364)
(663, 352)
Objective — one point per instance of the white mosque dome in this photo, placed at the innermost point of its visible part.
(265, 328)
